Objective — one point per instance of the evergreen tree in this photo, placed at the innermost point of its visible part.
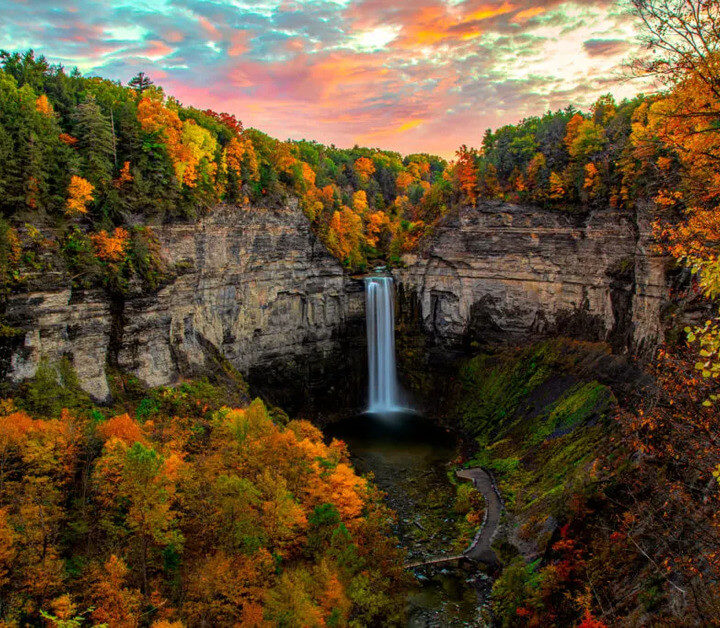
(140, 82)
(95, 141)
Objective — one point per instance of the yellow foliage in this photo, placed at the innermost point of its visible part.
(557, 187)
(364, 168)
(360, 202)
(42, 104)
(79, 195)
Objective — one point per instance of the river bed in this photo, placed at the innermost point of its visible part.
(410, 458)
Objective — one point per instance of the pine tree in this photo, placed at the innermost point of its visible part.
(140, 82)
(95, 141)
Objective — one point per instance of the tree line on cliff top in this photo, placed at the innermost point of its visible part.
(103, 162)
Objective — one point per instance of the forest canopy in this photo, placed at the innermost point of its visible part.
(85, 156)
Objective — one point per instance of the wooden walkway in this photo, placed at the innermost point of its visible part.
(480, 549)
(438, 560)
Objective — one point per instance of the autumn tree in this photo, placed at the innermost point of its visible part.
(42, 104)
(111, 248)
(143, 479)
(364, 168)
(80, 193)
(682, 38)
(466, 173)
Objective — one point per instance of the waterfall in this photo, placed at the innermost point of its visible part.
(380, 317)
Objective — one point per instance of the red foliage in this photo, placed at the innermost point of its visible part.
(228, 119)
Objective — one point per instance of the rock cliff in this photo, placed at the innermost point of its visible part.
(256, 288)
(503, 272)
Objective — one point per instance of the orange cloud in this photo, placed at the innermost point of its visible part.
(438, 23)
(527, 14)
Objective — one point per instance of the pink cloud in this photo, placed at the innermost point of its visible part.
(156, 48)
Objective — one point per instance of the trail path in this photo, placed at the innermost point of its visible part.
(479, 550)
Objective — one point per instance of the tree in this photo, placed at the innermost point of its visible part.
(111, 248)
(467, 173)
(364, 168)
(115, 603)
(80, 193)
(681, 37)
(95, 141)
(140, 82)
(42, 104)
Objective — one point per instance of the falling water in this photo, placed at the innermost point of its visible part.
(380, 315)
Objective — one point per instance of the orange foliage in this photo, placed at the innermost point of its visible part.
(7, 549)
(364, 168)
(121, 427)
(63, 607)
(154, 117)
(467, 174)
(588, 621)
(571, 131)
(345, 232)
(110, 248)
(115, 604)
(327, 195)
(239, 151)
(376, 222)
(42, 105)
(68, 139)
(557, 187)
(593, 180)
(79, 195)
(404, 180)
(124, 176)
(227, 588)
(308, 174)
(283, 158)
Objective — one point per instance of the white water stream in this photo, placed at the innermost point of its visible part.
(380, 318)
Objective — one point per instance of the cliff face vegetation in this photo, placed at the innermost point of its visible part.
(173, 507)
(608, 477)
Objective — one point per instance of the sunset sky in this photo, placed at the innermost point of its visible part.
(423, 75)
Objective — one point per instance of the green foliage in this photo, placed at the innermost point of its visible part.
(54, 387)
(95, 141)
(537, 425)
(512, 589)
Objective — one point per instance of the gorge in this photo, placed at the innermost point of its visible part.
(254, 287)
(255, 382)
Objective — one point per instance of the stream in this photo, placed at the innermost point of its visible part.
(410, 458)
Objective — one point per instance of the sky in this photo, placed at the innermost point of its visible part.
(414, 76)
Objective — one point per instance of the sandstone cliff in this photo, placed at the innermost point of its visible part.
(500, 271)
(257, 288)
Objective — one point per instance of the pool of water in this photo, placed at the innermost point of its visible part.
(410, 458)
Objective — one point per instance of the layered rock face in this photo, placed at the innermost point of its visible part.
(256, 288)
(499, 271)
